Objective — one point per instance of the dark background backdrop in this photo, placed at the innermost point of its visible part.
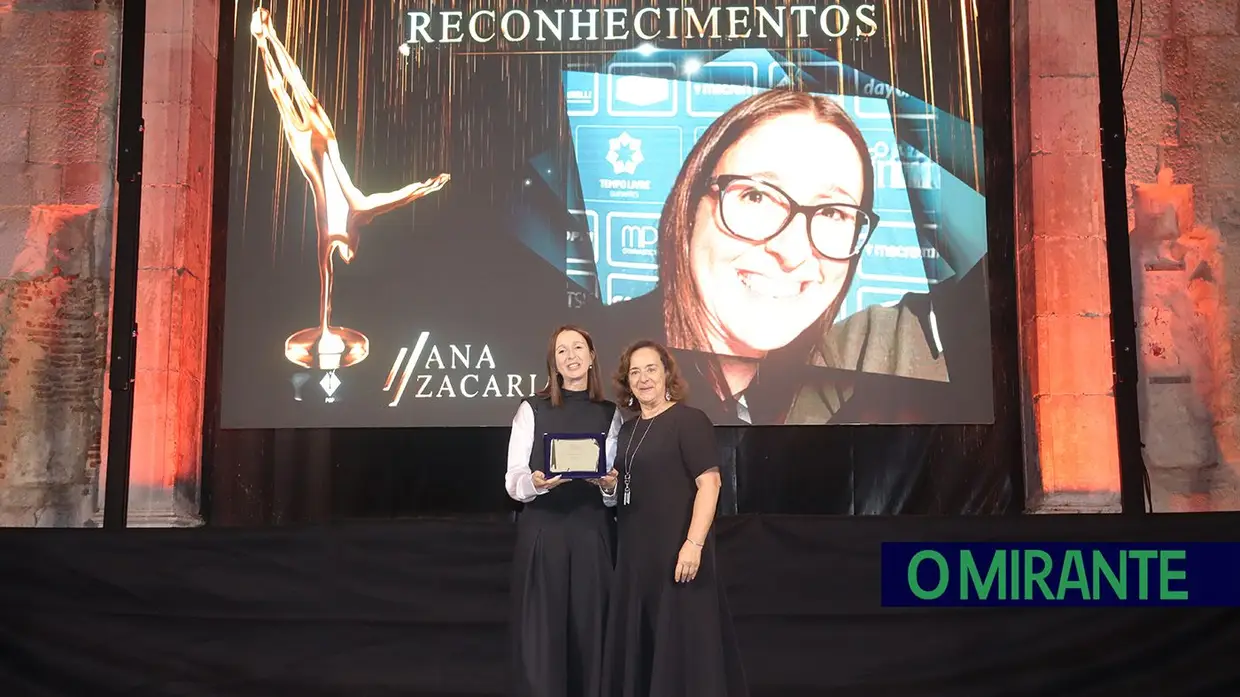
(266, 476)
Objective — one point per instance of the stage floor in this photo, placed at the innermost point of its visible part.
(419, 608)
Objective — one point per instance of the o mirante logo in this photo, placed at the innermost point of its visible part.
(1031, 574)
(953, 574)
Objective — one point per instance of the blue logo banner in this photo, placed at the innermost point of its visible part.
(916, 574)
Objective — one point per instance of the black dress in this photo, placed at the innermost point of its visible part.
(562, 568)
(667, 639)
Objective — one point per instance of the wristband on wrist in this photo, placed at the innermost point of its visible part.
(694, 542)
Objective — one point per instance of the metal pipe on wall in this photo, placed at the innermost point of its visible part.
(1124, 358)
(123, 353)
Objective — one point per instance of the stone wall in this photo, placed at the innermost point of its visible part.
(59, 83)
(1064, 303)
(1182, 99)
(178, 106)
(58, 89)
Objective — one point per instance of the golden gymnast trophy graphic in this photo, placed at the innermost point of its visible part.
(341, 210)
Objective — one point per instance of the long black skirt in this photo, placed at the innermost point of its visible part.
(562, 571)
(668, 639)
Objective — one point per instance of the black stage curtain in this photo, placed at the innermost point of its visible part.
(418, 608)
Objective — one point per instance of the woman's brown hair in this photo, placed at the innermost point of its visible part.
(677, 386)
(554, 389)
(683, 307)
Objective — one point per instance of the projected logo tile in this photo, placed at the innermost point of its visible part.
(628, 163)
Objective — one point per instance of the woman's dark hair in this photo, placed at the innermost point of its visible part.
(677, 386)
(554, 389)
(683, 307)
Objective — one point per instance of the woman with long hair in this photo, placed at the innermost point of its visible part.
(562, 565)
(669, 630)
(759, 242)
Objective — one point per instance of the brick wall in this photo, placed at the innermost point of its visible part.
(1182, 100)
(58, 79)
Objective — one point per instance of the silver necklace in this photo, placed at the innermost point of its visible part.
(628, 459)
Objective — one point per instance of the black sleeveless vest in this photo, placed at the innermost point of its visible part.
(577, 414)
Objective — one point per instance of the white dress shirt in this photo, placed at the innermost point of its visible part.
(519, 479)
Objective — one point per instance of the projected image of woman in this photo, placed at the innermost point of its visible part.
(669, 630)
(563, 561)
(759, 242)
